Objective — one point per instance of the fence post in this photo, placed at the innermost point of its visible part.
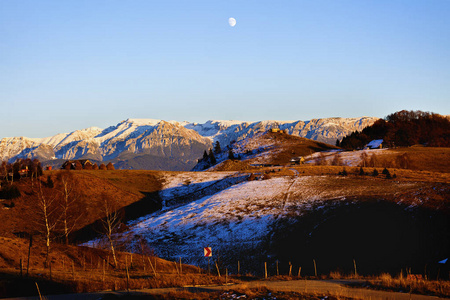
(218, 271)
(239, 268)
(265, 269)
(128, 274)
(29, 253)
(315, 267)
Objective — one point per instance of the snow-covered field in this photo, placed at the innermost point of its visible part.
(238, 219)
(238, 215)
(347, 158)
(180, 184)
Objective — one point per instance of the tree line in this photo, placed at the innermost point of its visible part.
(209, 158)
(20, 168)
(402, 129)
(86, 165)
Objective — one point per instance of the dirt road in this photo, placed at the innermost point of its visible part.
(333, 287)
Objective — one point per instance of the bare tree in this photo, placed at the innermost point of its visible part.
(48, 216)
(403, 161)
(337, 161)
(110, 224)
(373, 161)
(321, 160)
(66, 185)
(364, 159)
(5, 170)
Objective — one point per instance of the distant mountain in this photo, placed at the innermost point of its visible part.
(164, 145)
(326, 130)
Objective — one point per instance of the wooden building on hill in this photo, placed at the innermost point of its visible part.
(375, 144)
(297, 160)
(76, 164)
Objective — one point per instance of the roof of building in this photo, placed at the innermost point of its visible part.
(374, 144)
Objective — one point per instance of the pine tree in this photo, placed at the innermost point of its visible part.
(212, 158)
(231, 154)
(217, 148)
(205, 155)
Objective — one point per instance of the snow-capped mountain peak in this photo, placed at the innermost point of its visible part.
(181, 142)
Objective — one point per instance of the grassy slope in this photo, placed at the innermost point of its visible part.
(82, 269)
(282, 148)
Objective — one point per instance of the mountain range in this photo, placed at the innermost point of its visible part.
(164, 145)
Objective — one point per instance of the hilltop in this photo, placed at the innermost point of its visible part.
(263, 149)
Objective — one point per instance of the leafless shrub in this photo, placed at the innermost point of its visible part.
(403, 161)
(321, 160)
(364, 159)
(373, 162)
(337, 161)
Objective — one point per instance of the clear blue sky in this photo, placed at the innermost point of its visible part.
(67, 65)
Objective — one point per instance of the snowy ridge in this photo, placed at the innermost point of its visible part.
(182, 141)
(326, 130)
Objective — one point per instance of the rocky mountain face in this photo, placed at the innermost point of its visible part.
(157, 144)
(326, 130)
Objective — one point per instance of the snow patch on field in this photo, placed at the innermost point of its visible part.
(179, 184)
(236, 216)
(348, 158)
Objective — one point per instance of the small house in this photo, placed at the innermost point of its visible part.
(274, 130)
(374, 144)
(297, 160)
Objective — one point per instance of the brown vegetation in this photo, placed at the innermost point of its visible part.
(404, 128)
(82, 269)
(439, 288)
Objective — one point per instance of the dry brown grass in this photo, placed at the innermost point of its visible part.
(132, 181)
(423, 158)
(425, 287)
(83, 269)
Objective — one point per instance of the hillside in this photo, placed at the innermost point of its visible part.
(246, 221)
(76, 269)
(266, 148)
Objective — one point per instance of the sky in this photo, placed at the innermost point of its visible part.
(68, 65)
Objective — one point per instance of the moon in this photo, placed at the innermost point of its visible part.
(232, 22)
